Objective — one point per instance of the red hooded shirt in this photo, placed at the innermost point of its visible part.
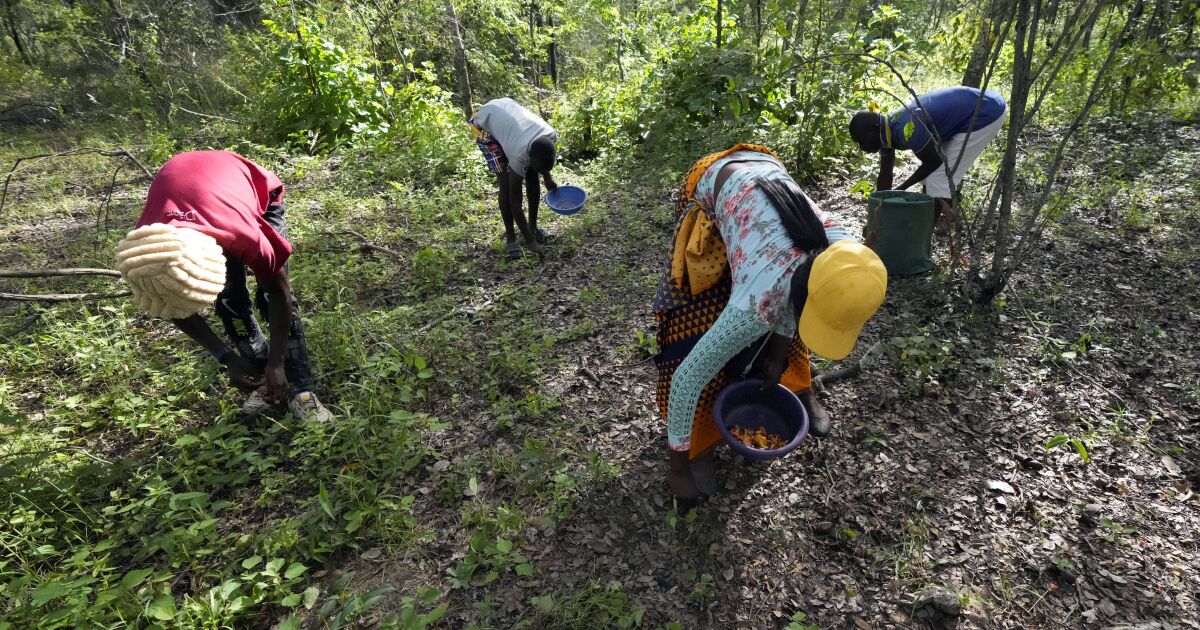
(225, 196)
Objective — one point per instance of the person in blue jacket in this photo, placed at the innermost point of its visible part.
(964, 120)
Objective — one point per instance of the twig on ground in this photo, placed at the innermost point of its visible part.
(368, 244)
(50, 273)
(590, 374)
(850, 371)
(631, 364)
(118, 152)
(433, 324)
(61, 297)
(203, 115)
(20, 328)
(102, 211)
(64, 449)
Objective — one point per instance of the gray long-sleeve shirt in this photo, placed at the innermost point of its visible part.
(515, 128)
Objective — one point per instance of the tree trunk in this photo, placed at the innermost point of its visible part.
(758, 33)
(466, 98)
(11, 17)
(981, 49)
(1131, 70)
(984, 287)
(533, 64)
(720, 9)
(552, 51)
(620, 64)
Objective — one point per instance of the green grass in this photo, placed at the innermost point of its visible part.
(132, 494)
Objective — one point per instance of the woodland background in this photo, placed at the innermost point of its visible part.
(1020, 449)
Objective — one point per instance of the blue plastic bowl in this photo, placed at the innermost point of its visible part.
(566, 199)
(745, 404)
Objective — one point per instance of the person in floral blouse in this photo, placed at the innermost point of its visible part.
(793, 272)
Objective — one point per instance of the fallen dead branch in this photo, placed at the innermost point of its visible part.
(368, 244)
(53, 273)
(62, 297)
(57, 273)
(118, 152)
(850, 371)
(32, 319)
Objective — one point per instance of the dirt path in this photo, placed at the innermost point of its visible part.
(936, 474)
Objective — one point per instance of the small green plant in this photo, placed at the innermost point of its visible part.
(597, 605)
(410, 616)
(645, 344)
(1114, 531)
(494, 546)
(343, 608)
(703, 587)
(1063, 563)
(1065, 441)
(920, 360)
(672, 518)
(797, 622)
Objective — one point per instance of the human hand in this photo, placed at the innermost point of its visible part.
(774, 362)
(770, 374)
(242, 374)
(276, 381)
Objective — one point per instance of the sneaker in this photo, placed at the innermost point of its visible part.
(540, 236)
(513, 249)
(256, 403)
(306, 407)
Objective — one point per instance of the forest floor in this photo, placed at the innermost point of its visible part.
(1037, 461)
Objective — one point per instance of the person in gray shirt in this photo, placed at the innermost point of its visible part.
(518, 147)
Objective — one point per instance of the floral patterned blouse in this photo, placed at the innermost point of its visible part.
(762, 258)
(762, 261)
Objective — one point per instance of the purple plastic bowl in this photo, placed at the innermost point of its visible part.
(747, 405)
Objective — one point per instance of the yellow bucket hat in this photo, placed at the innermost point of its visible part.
(173, 272)
(847, 284)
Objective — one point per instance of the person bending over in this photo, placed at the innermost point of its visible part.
(756, 265)
(208, 216)
(965, 120)
(519, 147)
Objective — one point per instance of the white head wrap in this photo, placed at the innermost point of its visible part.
(173, 272)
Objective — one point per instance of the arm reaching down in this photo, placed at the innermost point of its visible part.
(733, 331)
(242, 374)
(279, 315)
(930, 162)
(887, 162)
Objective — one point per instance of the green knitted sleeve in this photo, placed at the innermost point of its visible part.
(733, 331)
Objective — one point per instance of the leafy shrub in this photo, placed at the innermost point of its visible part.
(320, 94)
(427, 142)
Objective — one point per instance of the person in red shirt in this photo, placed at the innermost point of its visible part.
(208, 216)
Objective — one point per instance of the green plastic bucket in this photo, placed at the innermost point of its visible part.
(899, 229)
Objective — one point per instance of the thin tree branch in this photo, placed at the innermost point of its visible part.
(61, 297)
(203, 115)
(368, 244)
(118, 152)
(53, 273)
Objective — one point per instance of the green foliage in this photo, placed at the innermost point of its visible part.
(920, 360)
(92, 538)
(597, 605)
(1066, 441)
(797, 622)
(494, 547)
(320, 94)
